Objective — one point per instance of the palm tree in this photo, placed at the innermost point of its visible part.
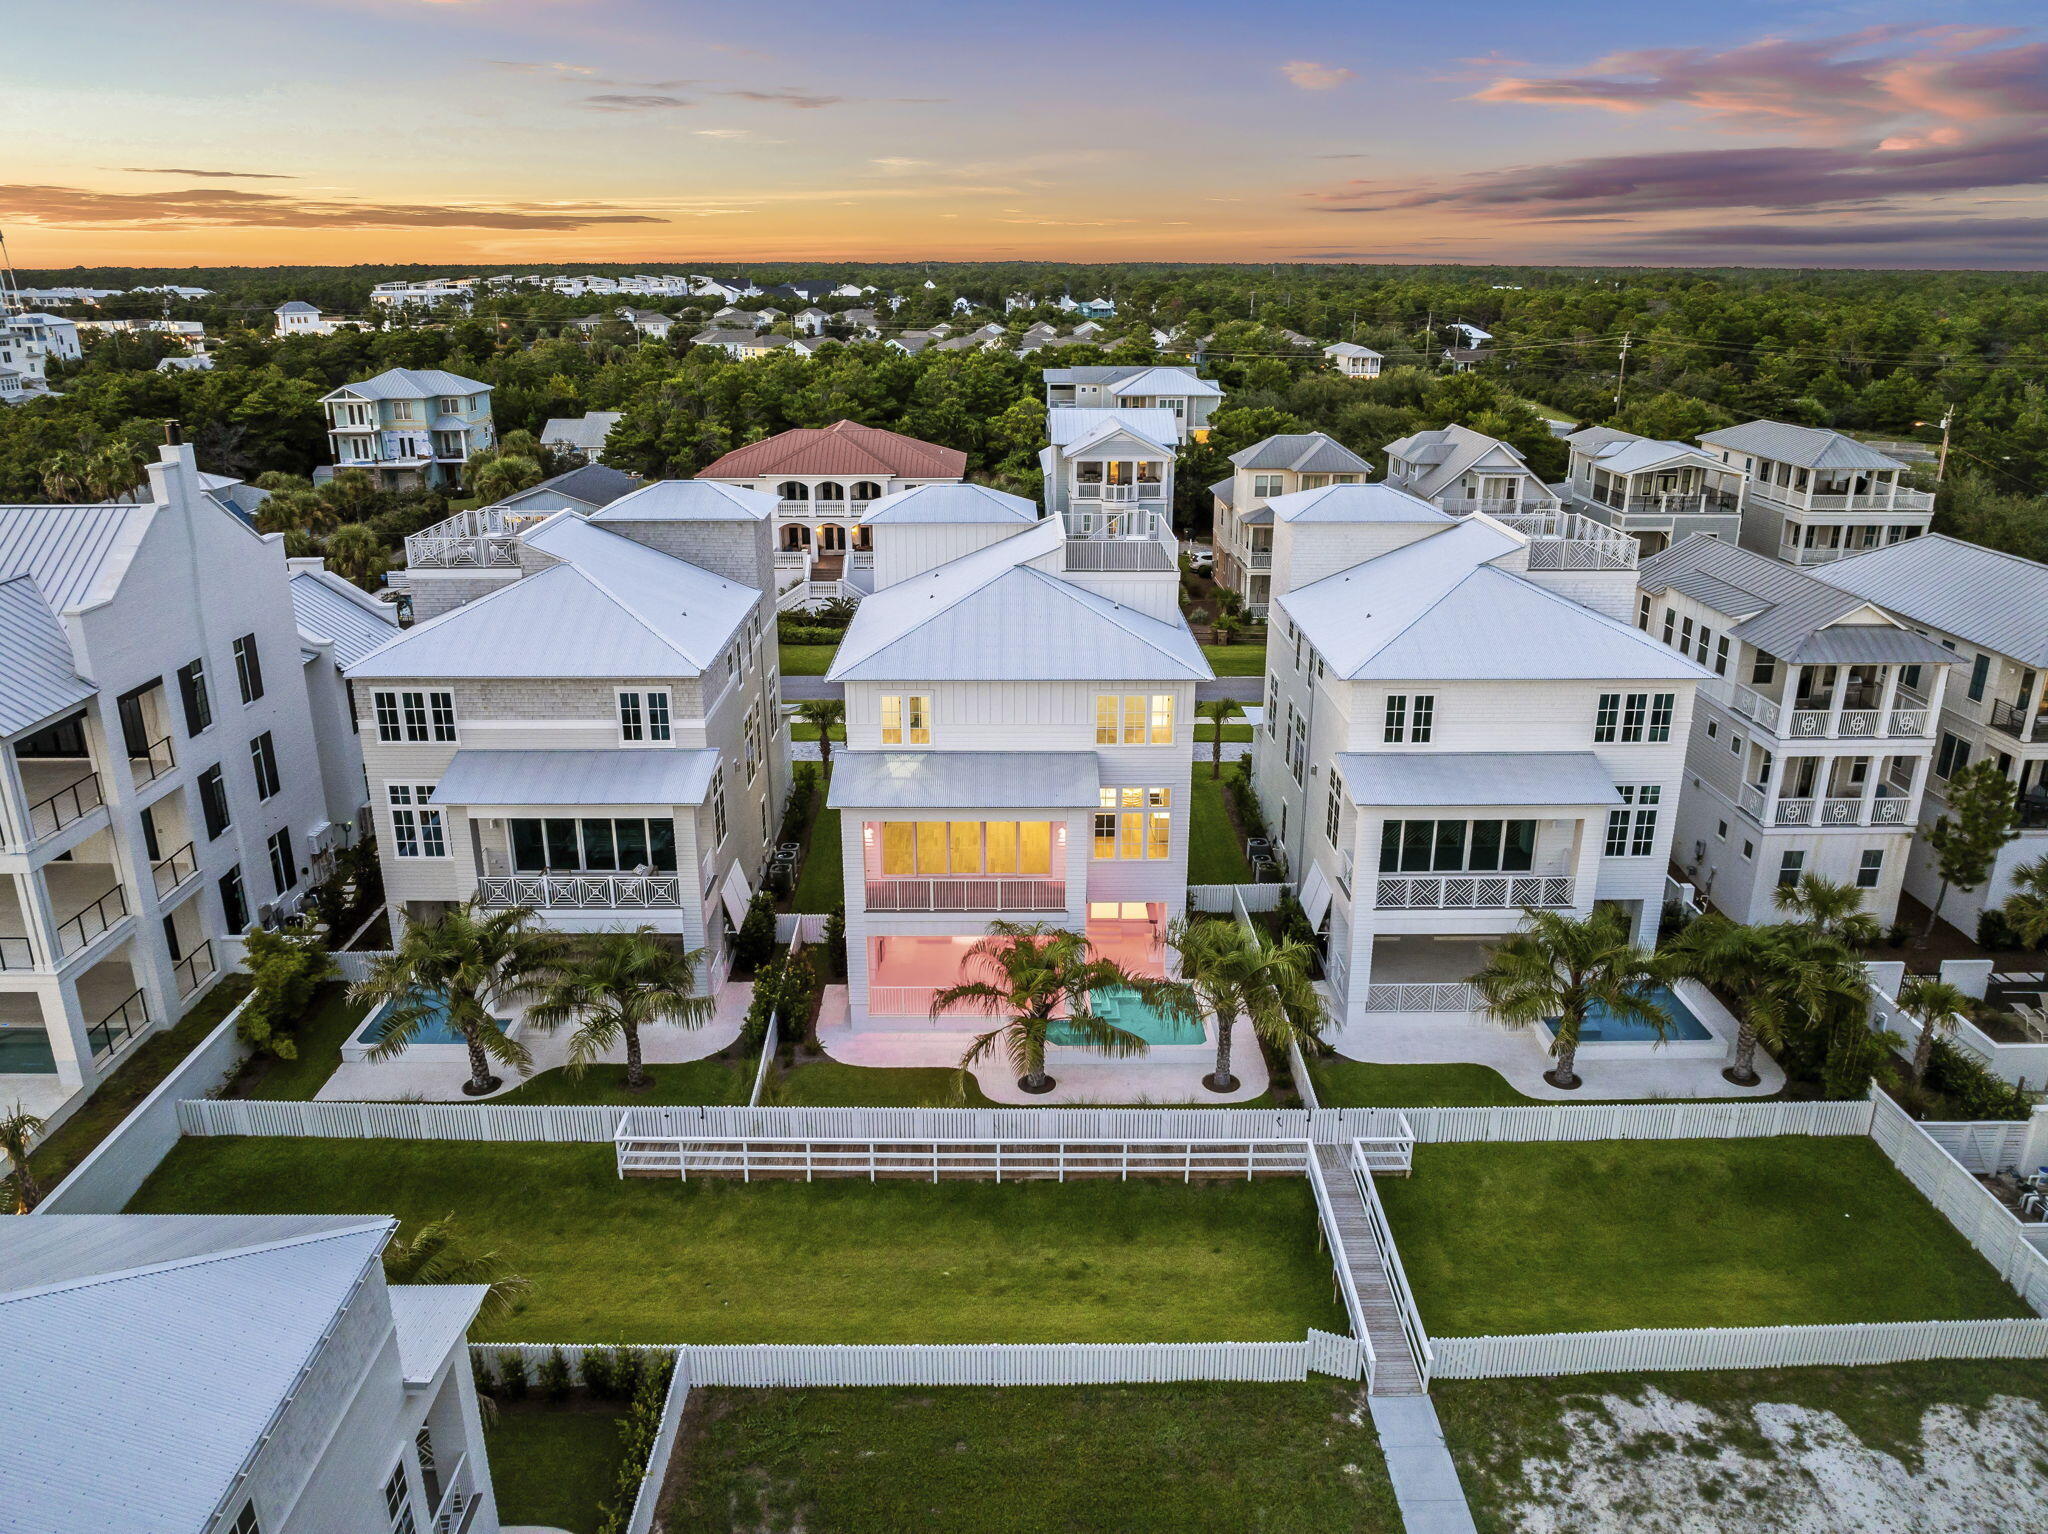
(112, 471)
(17, 1130)
(472, 963)
(1236, 972)
(1219, 712)
(1934, 1005)
(1558, 967)
(824, 714)
(1743, 961)
(1831, 909)
(436, 1255)
(64, 475)
(613, 984)
(2026, 908)
(355, 553)
(1031, 971)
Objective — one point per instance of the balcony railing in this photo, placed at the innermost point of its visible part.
(1119, 554)
(1258, 559)
(16, 953)
(74, 801)
(582, 892)
(125, 1022)
(1423, 996)
(1523, 506)
(966, 895)
(912, 1001)
(1910, 502)
(486, 537)
(174, 870)
(1909, 715)
(195, 969)
(1473, 892)
(1150, 490)
(88, 925)
(1568, 540)
(152, 761)
(1887, 809)
(2017, 722)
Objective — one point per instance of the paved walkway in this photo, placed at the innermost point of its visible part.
(1420, 1466)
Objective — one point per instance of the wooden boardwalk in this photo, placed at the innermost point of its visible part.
(1394, 1371)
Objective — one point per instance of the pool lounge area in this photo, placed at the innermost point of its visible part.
(435, 1040)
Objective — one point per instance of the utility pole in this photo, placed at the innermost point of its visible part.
(1948, 417)
(1621, 379)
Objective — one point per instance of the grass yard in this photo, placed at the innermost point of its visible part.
(693, 1081)
(319, 1039)
(806, 659)
(1363, 1084)
(1236, 659)
(1215, 852)
(1655, 1452)
(552, 1465)
(828, 1084)
(1282, 1459)
(821, 886)
(798, 731)
(1612, 1234)
(1205, 733)
(663, 1260)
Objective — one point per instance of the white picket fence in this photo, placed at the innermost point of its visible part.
(1744, 1347)
(936, 1160)
(1218, 899)
(1298, 1069)
(354, 965)
(1639, 1121)
(655, 1472)
(770, 1039)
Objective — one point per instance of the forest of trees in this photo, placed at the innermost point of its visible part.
(1876, 353)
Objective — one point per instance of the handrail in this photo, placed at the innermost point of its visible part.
(102, 1035)
(966, 894)
(17, 953)
(174, 869)
(1390, 1260)
(187, 971)
(152, 761)
(98, 909)
(52, 809)
(1327, 1212)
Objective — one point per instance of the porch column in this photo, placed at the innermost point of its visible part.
(1789, 704)
(1887, 699)
(1836, 694)
(1870, 779)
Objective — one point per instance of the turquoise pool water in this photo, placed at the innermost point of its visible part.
(435, 1030)
(1124, 1009)
(26, 1051)
(1601, 1027)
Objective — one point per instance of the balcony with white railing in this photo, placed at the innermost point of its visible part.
(985, 894)
(485, 538)
(1121, 555)
(1570, 540)
(1474, 892)
(581, 892)
(1904, 502)
(1888, 806)
(1863, 716)
(1498, 506)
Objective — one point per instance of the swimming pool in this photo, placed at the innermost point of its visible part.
(434, 1030)
(26, 1051)
(1123, 1008)
(1602, 1027)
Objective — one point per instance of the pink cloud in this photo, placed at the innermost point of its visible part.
(1307, 75)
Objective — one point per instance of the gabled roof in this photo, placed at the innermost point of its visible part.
(1225, 490)
(1355, 503)
(1074, 427)
(77, 554)
(1439, 608)
(1167, 383)
(1349, 349)
(38, 673)
(717, 337)
(144, 1357)
(614, 608)
(592, 484)
(409, 383)
(328, 608)
(689, 500)
(1450, 451)
(1807, 447)
(951, 504)
(844, 447)
(990, 616)
(1626, 453)
(1305, 452)
(1998, 602)
(587, 432)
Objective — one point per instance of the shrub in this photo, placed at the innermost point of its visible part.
(485, 1374)
(803, 793)
(807, 633)
(755, 940)
(597, 1373)
(638, 1430)
(285, 969)
(1995, 931)
(1244, 798)
(835, 940)
(512, 1376)
(629, 1371)
(1971, 1090)
(767, 981)
(554, 1376)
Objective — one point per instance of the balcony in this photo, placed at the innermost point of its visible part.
(1474, 892)
(152, 761)
(92, 920)
(2016, 722)
(1912, 503)
(125, 1022)
(73, 802)
(1909, 717)
(1258, 559)
(582, 892)
(1525, 506)
(1887, 808)
(486, 538)
(966, 895)
(1567, 540)
(1126, 555)
(174, 869)
(195, 969)
(1147, 492)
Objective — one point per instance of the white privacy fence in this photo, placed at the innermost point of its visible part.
(1639, 1121)
(355, 965)
(1744, 1347)
(654, 1473)
(1222, 899)
(1298, 1069)
(1983, 1146)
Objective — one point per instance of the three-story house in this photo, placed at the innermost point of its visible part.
(410, 428)
(1813, 496)
(1272, 467)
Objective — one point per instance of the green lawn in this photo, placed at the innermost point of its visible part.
(552, 1465)
(821, 885)
(139, 1075)
(810, 732)
(1612, 1234)
(664, 1260)
(695, 1081)
(1236, 659)
(828, 1084)
(1359, 1084)
(806, 659)
(1215, 853)
(1280, 1459)
(1205, 732)
(319, 1039)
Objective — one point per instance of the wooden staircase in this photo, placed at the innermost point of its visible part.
(1354, 1244)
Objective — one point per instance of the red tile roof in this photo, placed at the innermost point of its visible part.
(844, 447)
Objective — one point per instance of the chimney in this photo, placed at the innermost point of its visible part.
(173, 434)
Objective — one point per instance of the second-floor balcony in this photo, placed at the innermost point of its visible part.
(51, 810)
(1886, 807)
(1474, 892)
(986, 894)
(582, 892)
(174, 869)
(1861, 717)
(1904, 501)
(1119, 554)
(2024, 724)
(1498, 506)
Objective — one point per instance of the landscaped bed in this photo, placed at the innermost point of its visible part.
(1791, 1451)
(663, 1260)
(328, 1024)
(553, 1464)
(1215, 849)
(1223, 1457)
(1604, 1235)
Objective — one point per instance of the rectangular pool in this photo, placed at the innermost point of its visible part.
(26, 1051)
(435, 1030)
(1602, 1027)
(1122, 1008)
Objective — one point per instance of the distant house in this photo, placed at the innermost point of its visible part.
(735, 343)
(812, 321)
(298, 318)
(198, 362)
(731, 290)
(824, 478)
(1463, 359)
(1096, 308)
(651, 323)
(1353, 360)
(583, 434)
(410, 427)
(1191, 398)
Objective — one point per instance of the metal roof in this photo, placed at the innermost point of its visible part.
(409, 383)
(1641, 454)
(1356, 503)
(1995, 601)
(1406, 778)
(38, 674)
(1077, 426)
(689, 500)
(844, 447)
(431, 1321)
(1225, 490)
(355, 622)
(1808, 447)
(1309, 452)
(951, 504)
(964, 780)
(141, 1368)
(77, 554)
(651, 775)
(587, 432)
(1166, 383)
(593, 484)
(1451, 451)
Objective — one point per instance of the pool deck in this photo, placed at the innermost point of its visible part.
(1140, 1080)
(435, 1081)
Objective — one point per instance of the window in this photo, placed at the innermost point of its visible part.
(1721, 656)
(1871, 869)
(1670, 623)
(935, 848)
(177, 949)
(416, 830)
(1633, 716)
(644, 717)
(1134, 719)
(1297, 743)
(1333, 811)
(1704, 646)
(1457, 846)
(1632, 832)
(213, 801)
(234, 900)
(415, 716)
(752, 732)
(1134, 823)
(1763, 670)
(565, 845)
(1265, 485)
(284, 868)
(1953, 756)
(1980, 673)
(1721, 830)
(1790, 867)
(1713, 729)
(248, 668)
(245, 1521)
(398, 1502)
(906, 721)
(1410, 719)
(263, 757)
(1643, 612)
(1685, 636)
(718, 806)
(1748, 850)
(198, 706)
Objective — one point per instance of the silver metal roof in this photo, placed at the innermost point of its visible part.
(1451, 451)
(354, 621)
(1995, 601)
(953, 503)
(652, 775)
(1410, 778)
(964, 780)
(1808, 447)
(1071, 425)
(689, 500)
(1356, 503)
(409, 383)
(38, 674)
(587, 431)
(1309, 452)
(77, 554)
(431, 1319)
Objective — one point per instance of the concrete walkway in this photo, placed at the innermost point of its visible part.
(1419, 1464)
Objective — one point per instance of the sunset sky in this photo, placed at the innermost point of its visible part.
(496, 131)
